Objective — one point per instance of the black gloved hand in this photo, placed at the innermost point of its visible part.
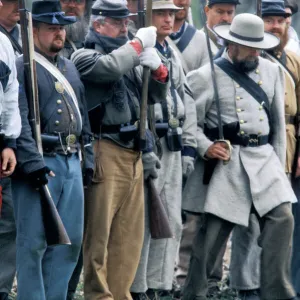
(39, 177)
(88, 177)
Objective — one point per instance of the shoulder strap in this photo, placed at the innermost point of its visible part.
(246, 82)
(182, 60)
(283, 67)
(61, 78)
(15, 44)
(186, 38)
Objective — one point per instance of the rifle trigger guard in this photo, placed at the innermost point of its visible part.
(229, 149)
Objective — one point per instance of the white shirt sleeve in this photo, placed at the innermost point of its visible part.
(9, 105)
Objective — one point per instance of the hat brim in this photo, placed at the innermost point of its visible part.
(123, 16)
(166, 6)
(60, 20)
(270, 40)
(276, 14)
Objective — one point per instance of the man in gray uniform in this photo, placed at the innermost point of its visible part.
(249, 174)
(217, 12)
(156, 269)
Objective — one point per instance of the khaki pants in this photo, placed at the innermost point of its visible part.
(114, 223)
(275, 241)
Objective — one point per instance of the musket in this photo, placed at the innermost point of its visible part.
(55, 232)
(159, 221)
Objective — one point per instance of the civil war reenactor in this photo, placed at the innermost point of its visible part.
(217, 12)
(76, 32)
(9, 18)
(10, 129)
(111, 69)
(248, 174)
(245, 265)
(176, 128)
(293, 44)
(43, 272)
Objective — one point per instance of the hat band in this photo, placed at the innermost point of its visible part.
(54, 15)
(246, 38)
(110, 13)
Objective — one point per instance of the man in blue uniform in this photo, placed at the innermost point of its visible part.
(44, 272)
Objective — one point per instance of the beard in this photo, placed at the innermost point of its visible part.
(283, 36)
(77, 31)
(246, 65)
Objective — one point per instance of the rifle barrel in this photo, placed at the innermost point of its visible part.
(54, 229)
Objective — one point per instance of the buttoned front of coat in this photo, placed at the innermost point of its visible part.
(254, 175)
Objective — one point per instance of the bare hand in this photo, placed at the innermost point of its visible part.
(8, 162)
(297, 174)
(218, 150)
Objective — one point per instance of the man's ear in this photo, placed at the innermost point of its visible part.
(96, 26)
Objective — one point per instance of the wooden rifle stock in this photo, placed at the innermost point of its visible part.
(54, 229)
(159, 221)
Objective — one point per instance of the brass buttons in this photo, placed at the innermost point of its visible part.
(238, 86)
(259, 132)
(260, 108)
(242, 122)
(59, 111)
(238, 110)
(261, 119)
(238, 98)
(58, 101)
(257, 71)
(56, 122)
(260, 82)
(242, 132)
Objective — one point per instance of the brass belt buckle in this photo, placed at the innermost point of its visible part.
(228, 147)
(71, 139)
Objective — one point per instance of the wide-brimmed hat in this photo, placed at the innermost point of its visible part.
(210, 3)
(49, 12)
(164, 4)
(273, 8)
(292, 5)
(247, 30)
(116, 9)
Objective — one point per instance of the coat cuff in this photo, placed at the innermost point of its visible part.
(189, 151)
(9, 143)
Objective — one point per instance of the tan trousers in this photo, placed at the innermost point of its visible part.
(114, 223)
(275, 241)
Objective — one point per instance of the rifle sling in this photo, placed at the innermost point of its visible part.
(13, 41)
(283, 66)
(246, 82)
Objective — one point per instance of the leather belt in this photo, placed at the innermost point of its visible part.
(290, 119)
(231, 133)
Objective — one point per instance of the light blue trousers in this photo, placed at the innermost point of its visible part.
(43, 272)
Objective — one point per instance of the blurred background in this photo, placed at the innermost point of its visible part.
(246, 6)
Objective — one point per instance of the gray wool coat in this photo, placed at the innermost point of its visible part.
(254, 174)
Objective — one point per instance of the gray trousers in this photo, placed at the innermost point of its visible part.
(245, 256)
(191, 226)
(7, 239)
(276, 243)
(156, 267)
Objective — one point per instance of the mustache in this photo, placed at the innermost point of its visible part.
(59, 38)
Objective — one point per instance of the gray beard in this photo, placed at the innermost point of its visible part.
(76, 32)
